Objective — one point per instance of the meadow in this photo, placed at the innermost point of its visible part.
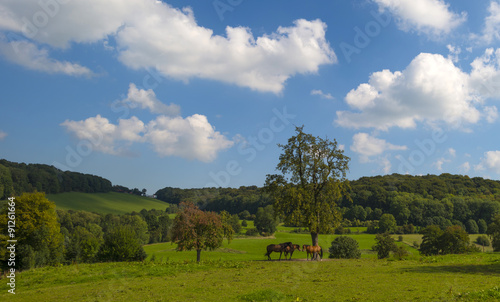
(239, 272)
(112, 202)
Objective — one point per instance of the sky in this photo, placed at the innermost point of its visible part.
(193, 94)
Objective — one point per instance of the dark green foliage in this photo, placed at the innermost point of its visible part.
(471, 226)
(18, 178)
(384, 245)
(453, 240)
(483, 240)
(244, 223)
(482, 226)
(494, 233)
(344, 247)
(264, 222)
(387, 224)
(235, 223)
(121, 244)
(234, 201)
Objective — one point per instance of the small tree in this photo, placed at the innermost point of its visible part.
(264, 220)
(384, 245)
(483, 241)
(471, 226)
(387, 224)
(494, 233)
(431, 240)
(344, 247)
(199, 230)
(121, 244)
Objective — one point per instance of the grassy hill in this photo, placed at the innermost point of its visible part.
(115, 203)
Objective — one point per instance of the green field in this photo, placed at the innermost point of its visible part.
(239, 272)
(114, 203)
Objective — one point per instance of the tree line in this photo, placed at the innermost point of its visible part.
(47, 236)
(18, 178)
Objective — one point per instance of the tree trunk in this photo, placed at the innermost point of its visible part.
(198, 254)
(314, 237)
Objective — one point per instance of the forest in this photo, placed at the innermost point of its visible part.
(17, 178)
(442, 200)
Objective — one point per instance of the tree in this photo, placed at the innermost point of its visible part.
(431, 240)
(454, 240)
(344, 247)
(312, 181)
(38, 232)
(387, 224)
(384, 245)
(199, 230)
(264, 221)
(494, 233)
(472, 227)
(121, 244)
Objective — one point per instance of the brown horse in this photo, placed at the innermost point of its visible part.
(290, 249)
(277, 248)
(315, 251)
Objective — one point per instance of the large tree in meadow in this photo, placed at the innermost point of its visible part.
(195, 229)
(311, 182)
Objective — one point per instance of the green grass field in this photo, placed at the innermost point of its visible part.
(115, 203)
(239, 272)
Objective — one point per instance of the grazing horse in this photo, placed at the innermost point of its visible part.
(314, 251)
(278, 248)
(290, 249)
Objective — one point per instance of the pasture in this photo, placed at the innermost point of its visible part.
(112, 202)
(239, 272)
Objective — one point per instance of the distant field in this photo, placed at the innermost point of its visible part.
(115, 203)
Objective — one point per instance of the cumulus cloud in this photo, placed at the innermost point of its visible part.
(485, 74)
(146, 99)
(153, 34)
(30, 56)
(490, 162)
(431, 89)
(321, 94)
(368, 146)
(191, 138)
(491, 30)
(431, 17)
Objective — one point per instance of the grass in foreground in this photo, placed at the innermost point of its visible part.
(446, 278)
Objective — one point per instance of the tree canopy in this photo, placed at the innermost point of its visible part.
(312, 180)
(199, 230)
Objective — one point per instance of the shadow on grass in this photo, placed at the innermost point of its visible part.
(477, 269)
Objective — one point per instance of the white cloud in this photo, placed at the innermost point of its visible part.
(146, 99)
(321, 94)
(491, 30)
(490, 162)
(28, 55)
(191, 138)
(2, 135)
(431, 89)
(452, 152)
(431, 17)
(485, 74)
(368, 146)
(439, 163)
(465, 167)
(151, 34)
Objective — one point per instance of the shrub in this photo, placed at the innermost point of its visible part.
(252, 232)
(344, 247)
(483, 241)
(384, 245)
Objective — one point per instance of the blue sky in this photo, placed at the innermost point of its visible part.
(198, 93)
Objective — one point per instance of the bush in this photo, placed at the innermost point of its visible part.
(483, 241)
(384, 245)
(344, 247)
(252, 232)
(121, 244)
